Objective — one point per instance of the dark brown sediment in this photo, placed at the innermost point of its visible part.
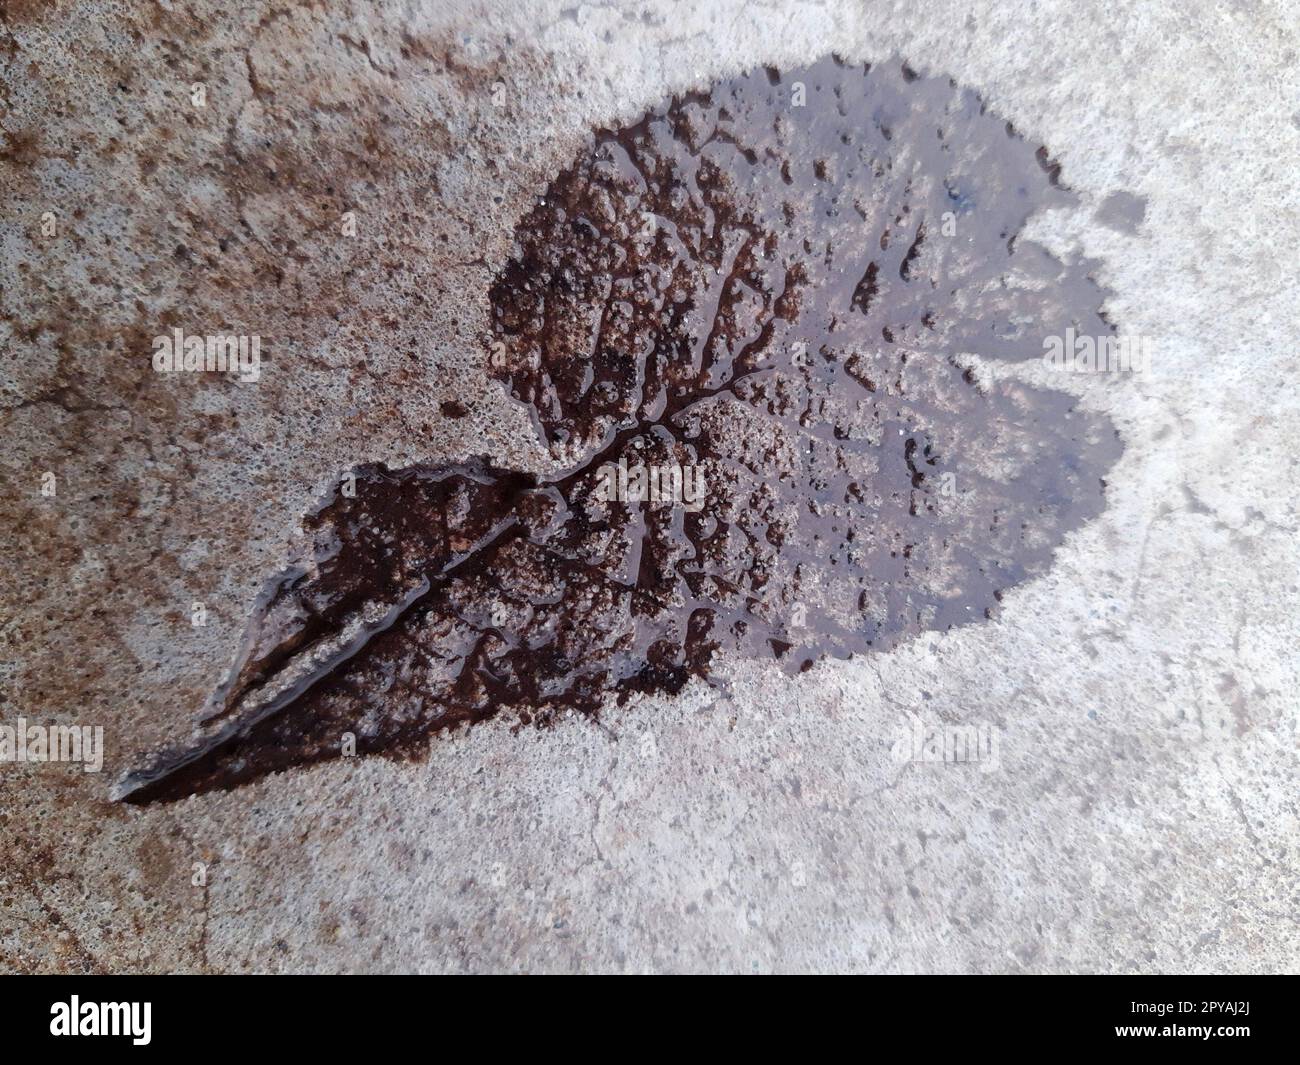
(777, 296)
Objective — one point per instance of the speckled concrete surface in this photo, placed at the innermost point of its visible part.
(1141, 815)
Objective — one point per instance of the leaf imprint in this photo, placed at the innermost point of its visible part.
(739, 326)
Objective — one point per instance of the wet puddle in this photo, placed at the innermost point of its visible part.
(737, 327)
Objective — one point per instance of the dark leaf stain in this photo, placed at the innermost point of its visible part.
(776, 296)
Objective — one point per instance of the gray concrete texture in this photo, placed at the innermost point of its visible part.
(1142, 814)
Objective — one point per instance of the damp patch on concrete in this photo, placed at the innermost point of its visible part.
(762, 297)
(1122, 211)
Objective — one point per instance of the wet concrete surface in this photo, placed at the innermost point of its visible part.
(770, 301)
(357, 188)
